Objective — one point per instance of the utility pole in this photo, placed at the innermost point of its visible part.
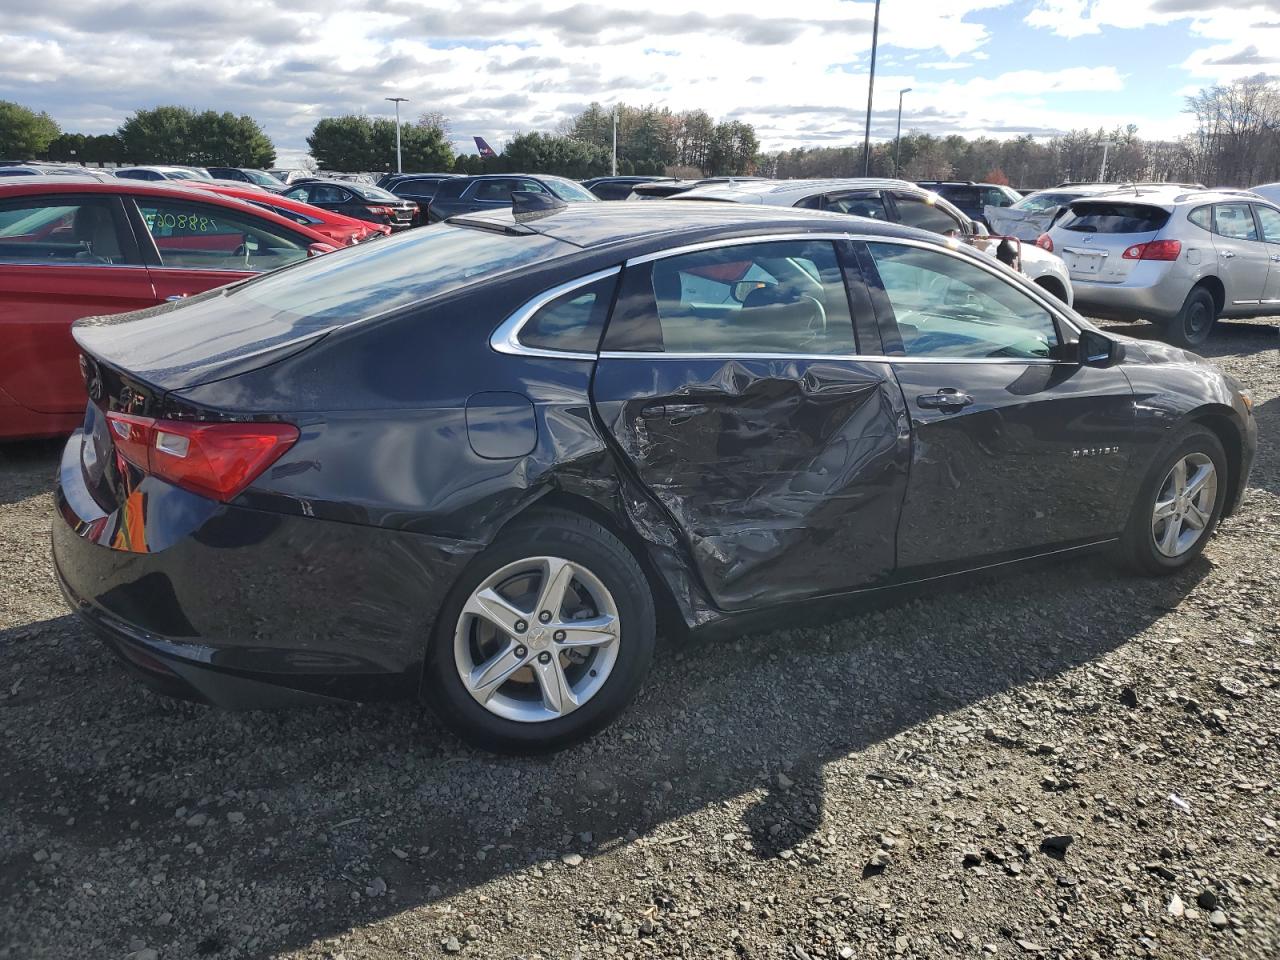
(397, 101)
(1106, 145)
(871, 89)
(613, 168)
(897, 140)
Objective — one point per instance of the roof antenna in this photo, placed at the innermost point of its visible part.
(534, 205)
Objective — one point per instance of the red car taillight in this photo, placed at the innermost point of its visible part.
(1045, 242)
(1154, 250)
(216, 460)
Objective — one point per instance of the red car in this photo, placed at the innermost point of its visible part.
(73, 247)
(340, 229)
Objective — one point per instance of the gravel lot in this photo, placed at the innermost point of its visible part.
(1065, 763)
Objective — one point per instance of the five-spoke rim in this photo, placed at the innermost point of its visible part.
(536, 639)
(1184, 504)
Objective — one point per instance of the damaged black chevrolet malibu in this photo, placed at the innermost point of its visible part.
(479, 463)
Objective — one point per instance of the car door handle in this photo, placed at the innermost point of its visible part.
(1227, 254)
(947, 398)
(659, 411)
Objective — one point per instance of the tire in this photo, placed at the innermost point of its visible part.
(1194, 322)
(1195, 446)
(543, 697)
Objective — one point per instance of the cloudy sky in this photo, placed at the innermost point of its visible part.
(798, 70)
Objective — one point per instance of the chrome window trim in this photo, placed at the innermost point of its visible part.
(843, 357)
(506, 338)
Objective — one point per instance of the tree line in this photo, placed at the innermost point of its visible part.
(1236, 142)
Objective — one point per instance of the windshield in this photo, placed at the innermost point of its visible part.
(361, 281)
(1043, 202)
(568, 190)
(367, 192)
(182, 175)
(260, 178)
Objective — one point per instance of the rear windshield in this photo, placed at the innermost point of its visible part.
(1094, 217)
(358, 282)
(1041, 202)
(369, 192)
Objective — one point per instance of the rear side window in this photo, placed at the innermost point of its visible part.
(915, 212)
(962, 196)
(60, 230)
(612, 191)
(784, 297)
(571, 323)
(494, 191)
(415, 188)
(1202, 217)
(1235, 221)
(193, 236)
(858, 206)
(1093, 217)
(451, 189)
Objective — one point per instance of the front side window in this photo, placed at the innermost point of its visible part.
(948, 307)
(995, 197)
(571, 323)
(1270, 221)
(858, 205)
(193, 236)
(915, 212)
(59, 230)
(786, 297)
(1235, 221)
(1043, 202)
(327, 193)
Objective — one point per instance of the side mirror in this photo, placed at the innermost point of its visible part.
(979, 229)
(1096, 350)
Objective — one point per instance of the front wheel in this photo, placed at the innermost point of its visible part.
(1194, 322)
(545, 639)
(1178, 505)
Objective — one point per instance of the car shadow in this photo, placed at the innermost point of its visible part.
(331, 799)
(27, 468)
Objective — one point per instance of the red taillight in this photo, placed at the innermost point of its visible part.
(216, 460)
(1154, 250)
(1045, 242)
(381, 211)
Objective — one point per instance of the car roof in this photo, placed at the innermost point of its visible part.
(784, 193)
(597, 225)
(1172, 195)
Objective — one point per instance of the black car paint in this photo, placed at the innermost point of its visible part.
(325, 576)
(459, 195)
(350, 204)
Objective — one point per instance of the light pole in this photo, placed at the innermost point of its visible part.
(613, 167)
(1106, 146)
(897, 140)
(871, 87)
(397, 101)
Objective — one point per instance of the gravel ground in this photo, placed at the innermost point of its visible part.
(1064, 763)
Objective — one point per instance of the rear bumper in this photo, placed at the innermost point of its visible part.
(1125, 301)
(246, 608)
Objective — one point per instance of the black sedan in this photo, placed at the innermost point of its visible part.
(478, 463)
(495, 192)
(360, 200)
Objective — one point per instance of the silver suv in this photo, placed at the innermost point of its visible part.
(1179, 258)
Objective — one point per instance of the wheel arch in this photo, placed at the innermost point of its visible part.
(1221, 421)
(1053, 285)
(1216, 290)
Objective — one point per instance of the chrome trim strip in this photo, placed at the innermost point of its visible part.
(506, 339)
(844, 357)
(741, 241)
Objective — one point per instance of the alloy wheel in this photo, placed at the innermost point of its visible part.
(1184, 505)
(537, 639)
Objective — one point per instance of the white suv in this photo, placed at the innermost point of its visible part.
(1179, 258)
